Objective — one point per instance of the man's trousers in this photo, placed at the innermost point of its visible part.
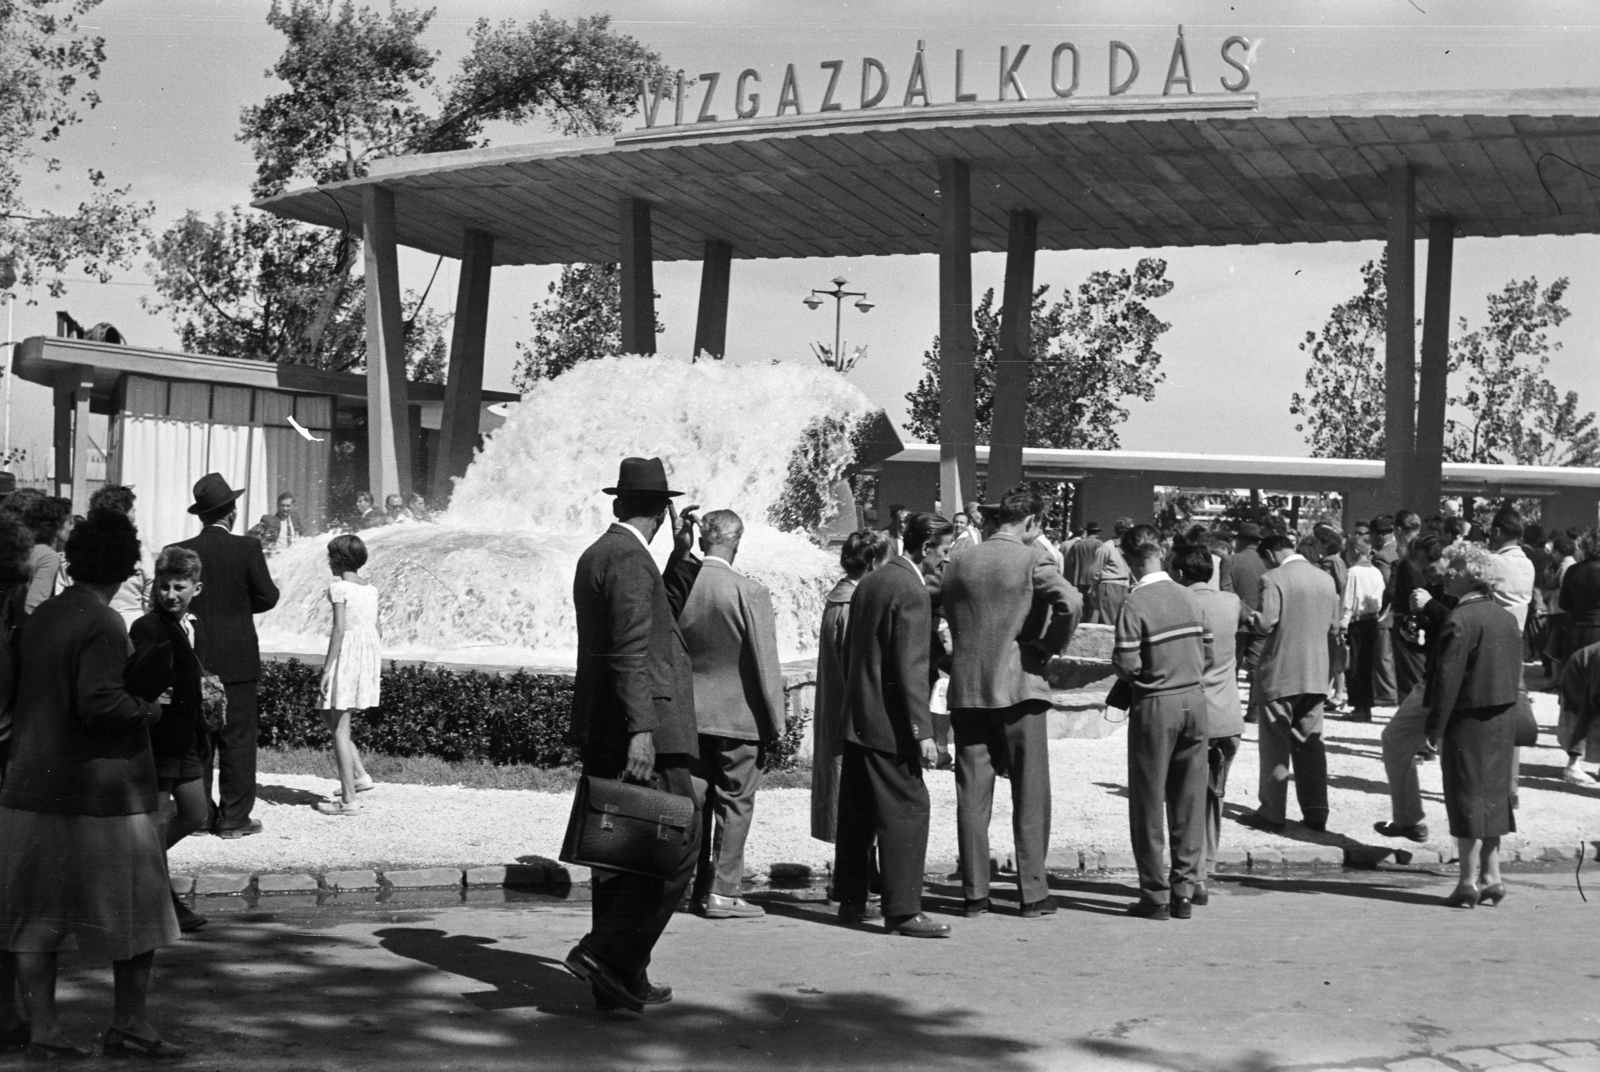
(1410, 666)
(1403, 737)
(1109, 596)
(1167, 781)
(629, 912)
(1291, 736)
(1384, 689)
(732, 770)
(232, 751)
(1219, 761)
(1012, 739)
(881, 794)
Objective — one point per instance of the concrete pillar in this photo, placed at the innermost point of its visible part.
(711, 325)
(463, 389)
(1008, 428)
(1399, 394)
(1425, 477)
(958, 456)
(638, 277)
(74, 390)
(388, 417)
(1103, 498)
(61, 441)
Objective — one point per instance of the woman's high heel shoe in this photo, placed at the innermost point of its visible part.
(1464, 897)
(1492, 895)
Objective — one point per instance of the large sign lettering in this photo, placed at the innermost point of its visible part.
(1065, 78)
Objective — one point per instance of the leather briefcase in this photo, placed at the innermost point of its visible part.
(633, 829)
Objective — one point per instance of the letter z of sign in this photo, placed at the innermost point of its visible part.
(828, 103)
(706, 114)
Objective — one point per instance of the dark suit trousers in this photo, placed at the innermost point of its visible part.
(1363, 663)
(1167, 781)
(1410, 667)
(1219, 761)
(881, 795)
(629, 912)
(1384, 689)
(1012, 739)
(732, 770)
(232, 750)
(1291, 736)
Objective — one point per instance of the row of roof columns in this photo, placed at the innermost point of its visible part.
(1414, 410)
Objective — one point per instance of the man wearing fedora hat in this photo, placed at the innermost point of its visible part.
(238, 587)
(633, 716)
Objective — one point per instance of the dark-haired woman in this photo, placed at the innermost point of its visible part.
(351, 671)
(44, 516)
(862, 553)
(82, 864)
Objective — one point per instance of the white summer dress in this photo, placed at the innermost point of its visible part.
(352, 682)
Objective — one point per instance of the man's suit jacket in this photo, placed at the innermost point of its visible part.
(181, 665)
(886, 692)
(236, 586)
(1299, 615)
(1009, 610)
(732, 635)
(633, 668)
(1078, 561)
(269, 530)
(1247, 568)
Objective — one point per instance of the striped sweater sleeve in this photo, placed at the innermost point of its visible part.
(1127, 657)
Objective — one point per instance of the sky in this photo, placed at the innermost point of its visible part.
(178, 72)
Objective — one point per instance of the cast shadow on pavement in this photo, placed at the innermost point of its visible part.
(1144, 1057)
(258, 997)
(282, 794)
(1371, 891)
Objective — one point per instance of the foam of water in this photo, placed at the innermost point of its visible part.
(491, 582)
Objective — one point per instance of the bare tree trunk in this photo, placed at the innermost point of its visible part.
(328, 303)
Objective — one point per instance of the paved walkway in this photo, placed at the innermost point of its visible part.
(1323, 971)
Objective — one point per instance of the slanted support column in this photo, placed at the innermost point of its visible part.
(1008, 427)
(1425, 479)
(958, 455)
(711, 325)
(388, 416)
(74, 389)
(463, 389)
(638, 277)
(1399, 394)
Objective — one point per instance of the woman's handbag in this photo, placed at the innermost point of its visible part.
(620, 826)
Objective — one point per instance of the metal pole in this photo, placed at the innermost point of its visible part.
(838, 326)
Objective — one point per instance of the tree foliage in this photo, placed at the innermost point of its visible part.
(46, 63)
(580, 320)
(1092, 349)
(1342, 413)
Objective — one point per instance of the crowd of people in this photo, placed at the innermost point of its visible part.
(935, 651)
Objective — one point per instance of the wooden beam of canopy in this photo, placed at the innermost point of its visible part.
(1097, 173)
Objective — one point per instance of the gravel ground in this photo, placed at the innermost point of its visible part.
(419, 826)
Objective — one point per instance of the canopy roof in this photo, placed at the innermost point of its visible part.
(1128, 171)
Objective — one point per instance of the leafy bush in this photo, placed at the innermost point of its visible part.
(452, 715)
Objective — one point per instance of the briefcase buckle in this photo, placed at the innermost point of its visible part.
(606, 820)
(663, 831)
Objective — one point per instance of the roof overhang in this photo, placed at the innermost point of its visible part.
(1114, 172)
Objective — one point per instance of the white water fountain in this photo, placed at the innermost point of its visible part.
(491, 581)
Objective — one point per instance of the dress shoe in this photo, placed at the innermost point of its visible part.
(1181, 907)
(859, 912)
(946, 761)
(588, 967)
(1044, 906)
(1463, 897)
(1319, 825)
(716, 906)
(125, 1044)
(975, 907)
(232, 832)
(46, 1051)
(920, 925)
(1492, 895)
(1201, 895)
(1360, 714)
(647, 992)
(1149, 910)
(189, 920)
(1256, 821)
(1417, 832)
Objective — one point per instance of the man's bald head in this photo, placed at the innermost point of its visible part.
(720, 531)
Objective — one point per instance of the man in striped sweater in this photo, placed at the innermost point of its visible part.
(1162, 650)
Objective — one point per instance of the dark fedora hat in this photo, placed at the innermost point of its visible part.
(642, 476)
(211, 493)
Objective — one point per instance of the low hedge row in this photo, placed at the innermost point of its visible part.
(453, 715)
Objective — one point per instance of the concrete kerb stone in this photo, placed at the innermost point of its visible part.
(182, 885)
(425, 878)
(291, 883)
(351, 880)
(214, 885)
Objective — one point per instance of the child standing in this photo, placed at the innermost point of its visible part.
(350, 673)
(177, 739)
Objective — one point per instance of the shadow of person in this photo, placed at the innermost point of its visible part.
(282, 794)
(1371, 891)
(520, 980)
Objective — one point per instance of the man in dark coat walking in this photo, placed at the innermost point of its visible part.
(633, 716)
(238, 586)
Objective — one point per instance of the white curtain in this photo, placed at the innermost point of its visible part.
(163, 458)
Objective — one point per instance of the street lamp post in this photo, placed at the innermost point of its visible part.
(838, 294)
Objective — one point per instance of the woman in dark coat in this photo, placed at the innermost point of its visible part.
(82, 864)
(1471, 695)
(1578, 603)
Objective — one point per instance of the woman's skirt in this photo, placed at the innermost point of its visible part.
(1476, 761)
(1567, 636)
(96, 883)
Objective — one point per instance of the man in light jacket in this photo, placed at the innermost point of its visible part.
(1010, 609)
(731, 632)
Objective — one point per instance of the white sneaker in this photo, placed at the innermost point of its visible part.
(1577, 776)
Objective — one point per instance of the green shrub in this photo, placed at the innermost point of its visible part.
(452, 715)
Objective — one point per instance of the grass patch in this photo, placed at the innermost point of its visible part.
(471, 774)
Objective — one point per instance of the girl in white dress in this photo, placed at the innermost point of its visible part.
(350, 673)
